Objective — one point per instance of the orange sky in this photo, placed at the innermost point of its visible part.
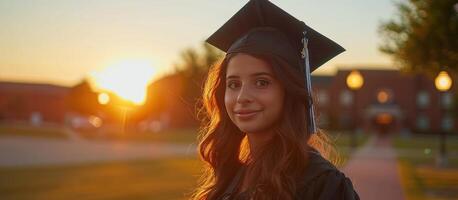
(62, 42)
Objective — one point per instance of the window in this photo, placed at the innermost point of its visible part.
(346, 98)
(447, 100)
(35, 118)
(447, 123)
(422, 99)
(422, 122)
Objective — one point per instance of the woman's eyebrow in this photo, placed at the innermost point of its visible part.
(262, 73)
(254, 74)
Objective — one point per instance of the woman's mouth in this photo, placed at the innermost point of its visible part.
(244, 115)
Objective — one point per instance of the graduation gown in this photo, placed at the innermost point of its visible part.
(322, 181)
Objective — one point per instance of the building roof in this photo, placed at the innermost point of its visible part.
(33, 87)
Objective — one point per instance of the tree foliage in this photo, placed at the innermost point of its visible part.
(197, 61)
(194, 65)
(179, 93)
(424, 35)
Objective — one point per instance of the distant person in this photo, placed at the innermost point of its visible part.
(259, 140)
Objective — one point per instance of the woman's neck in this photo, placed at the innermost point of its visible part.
(257, 140)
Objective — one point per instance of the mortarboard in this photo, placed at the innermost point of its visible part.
(262, 28)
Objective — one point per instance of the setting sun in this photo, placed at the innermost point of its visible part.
(127, 79)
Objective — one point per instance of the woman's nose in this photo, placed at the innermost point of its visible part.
(244, 96)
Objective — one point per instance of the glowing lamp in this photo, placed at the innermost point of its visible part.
(443, 81)
(355, 80)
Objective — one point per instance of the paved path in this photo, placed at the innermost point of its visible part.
(25, 151)
(374, 172)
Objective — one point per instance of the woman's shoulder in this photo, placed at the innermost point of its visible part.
(322, 180)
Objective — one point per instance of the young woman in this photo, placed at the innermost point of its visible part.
(258, 139)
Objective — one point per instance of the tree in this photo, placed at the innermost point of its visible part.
(82, 99)
(194, 61)
(424, 36)
(178, 94)
(194, 66)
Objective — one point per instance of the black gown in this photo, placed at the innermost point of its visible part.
(322, 181)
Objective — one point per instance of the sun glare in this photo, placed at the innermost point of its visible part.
(127, 79)
(103, 98)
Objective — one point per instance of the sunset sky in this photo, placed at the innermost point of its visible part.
(63, 41)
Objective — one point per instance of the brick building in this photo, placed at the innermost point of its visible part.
(389, 101)
(35, 103)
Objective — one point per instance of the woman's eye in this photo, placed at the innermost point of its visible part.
(232, 85)
(262, 83)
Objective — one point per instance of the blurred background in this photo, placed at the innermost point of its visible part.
(99, 99)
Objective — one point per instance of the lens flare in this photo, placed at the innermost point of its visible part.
(127, 79)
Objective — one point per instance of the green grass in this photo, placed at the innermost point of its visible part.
(342, 141)
(422, 142)
(32, 131)
(420, 176)
(422, 180)
(180, 136)
(171, 178)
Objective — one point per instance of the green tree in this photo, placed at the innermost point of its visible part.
(197, 61)
(424, 35)
(194, 66)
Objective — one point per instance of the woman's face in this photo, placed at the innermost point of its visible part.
(253, 96)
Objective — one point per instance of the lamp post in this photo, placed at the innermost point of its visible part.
(443, 83)
(354, 82)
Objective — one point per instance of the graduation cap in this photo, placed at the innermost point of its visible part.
(262, 28)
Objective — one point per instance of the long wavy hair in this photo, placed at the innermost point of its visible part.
(224, 148)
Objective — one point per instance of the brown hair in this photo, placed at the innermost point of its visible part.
(223, 147)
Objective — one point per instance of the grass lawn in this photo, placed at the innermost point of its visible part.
(342, 141)
(180, 136)
(172, 178)
(422, 142)
(420, 176)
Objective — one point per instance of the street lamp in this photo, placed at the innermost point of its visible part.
(354, 82)
(443, 83)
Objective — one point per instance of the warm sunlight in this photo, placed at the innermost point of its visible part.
(128, 79)
(103, 98)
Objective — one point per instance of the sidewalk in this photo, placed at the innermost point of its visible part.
(24, 151)
(374, 172)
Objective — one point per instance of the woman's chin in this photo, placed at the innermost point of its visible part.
(252, 129)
